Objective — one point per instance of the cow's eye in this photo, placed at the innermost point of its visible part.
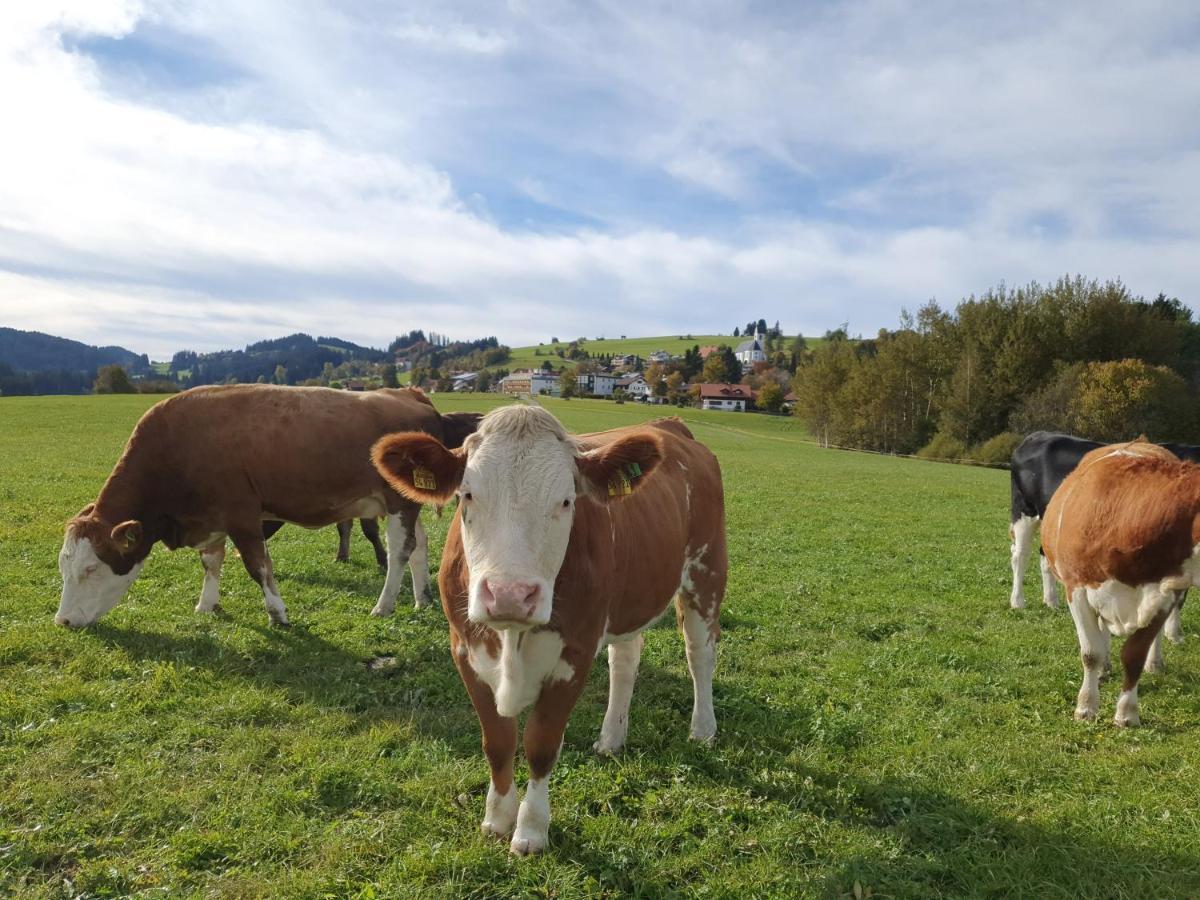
(467, 496)
(90, 570)
(566, 504)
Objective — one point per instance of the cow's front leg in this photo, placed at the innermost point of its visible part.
(1091, 646)
(499, 746)
(401, 540)
(257, 561)
(543, 740)
(212, 558)
(1133, 658)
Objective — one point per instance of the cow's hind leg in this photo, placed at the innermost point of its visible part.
(1049, 582)
(1091, 646)
(344, 529)
(418, 565)
(212, 558)
(258, 563)
(623, 660)
(1133, 659)
(401, 541)
(1174, 626)
(370, 528)
(1022, 543)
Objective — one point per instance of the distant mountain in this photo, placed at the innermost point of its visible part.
(300, 355)
(33, 351)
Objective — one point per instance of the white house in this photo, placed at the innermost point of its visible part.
(659, 356)
(598, 384)
(725, 396)
(634, 386)
(464, 381)
(751, 351)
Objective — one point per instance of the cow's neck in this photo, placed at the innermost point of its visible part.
(128, 492)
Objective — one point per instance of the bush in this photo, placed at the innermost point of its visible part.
(998, 450)
(157, 386)
(943, 447)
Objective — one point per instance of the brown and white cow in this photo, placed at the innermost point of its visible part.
(214, 462)
(561, 545)
(1122, 534)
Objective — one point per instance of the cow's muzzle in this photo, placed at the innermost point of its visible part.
(509, 602)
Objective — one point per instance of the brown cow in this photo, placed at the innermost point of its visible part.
(219, 461)
(1122, 533)
(559, 546)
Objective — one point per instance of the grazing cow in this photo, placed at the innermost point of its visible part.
(214, 462)
(1122, 533)
(561, 545)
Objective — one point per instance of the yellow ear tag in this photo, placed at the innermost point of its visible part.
(620, 486)
(423, 478)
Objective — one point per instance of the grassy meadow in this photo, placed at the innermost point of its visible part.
(887, 725)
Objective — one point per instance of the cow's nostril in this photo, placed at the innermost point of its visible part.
(65, 622)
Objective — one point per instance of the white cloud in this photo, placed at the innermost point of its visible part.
(861, 157)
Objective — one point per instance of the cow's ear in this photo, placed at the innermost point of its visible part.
(418, 466)
(86, 511)
(127, 535)
(618, 469)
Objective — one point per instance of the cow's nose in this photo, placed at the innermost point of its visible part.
(510, 599)
(62, 620)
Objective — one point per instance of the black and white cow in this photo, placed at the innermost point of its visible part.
(1039, 465)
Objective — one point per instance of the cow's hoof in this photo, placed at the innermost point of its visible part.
(341, 559)
(607, 748)
(1050, 602)
(382, 612)
(527, 843)
(496, 830)
(1017, 603)
(1084, 714)
(210, 610)
(1127, 720)
(1155, 667)
(1176, 639)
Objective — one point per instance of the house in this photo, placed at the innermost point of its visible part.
(634, 386)
(725, 396)
(597, 384)
(751, 351)
(659, 356)
(532, 383)
(628, 363)
(706, 352)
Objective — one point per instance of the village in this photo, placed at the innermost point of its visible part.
(657, 378)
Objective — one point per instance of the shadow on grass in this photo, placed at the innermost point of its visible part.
(935, 844)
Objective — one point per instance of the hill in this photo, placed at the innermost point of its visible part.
(34, 351)
(675, 344)
(301, 355)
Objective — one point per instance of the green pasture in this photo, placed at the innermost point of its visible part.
(888, 727)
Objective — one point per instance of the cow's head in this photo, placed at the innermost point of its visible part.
(518, 479)
(98, 562)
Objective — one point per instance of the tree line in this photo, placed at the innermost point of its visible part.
(1079, 356)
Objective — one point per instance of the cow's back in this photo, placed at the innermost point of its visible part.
(1038, 466)
(1127, 512)
(296, 451)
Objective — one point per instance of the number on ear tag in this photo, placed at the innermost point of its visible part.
(423, 478)
(620, 486)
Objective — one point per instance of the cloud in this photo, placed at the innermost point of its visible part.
(554, 168)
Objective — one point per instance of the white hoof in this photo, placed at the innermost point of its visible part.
(527, 842)
(382, 611)
(1017, 602)
(1083, 714)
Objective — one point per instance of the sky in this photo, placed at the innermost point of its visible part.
(199, 176)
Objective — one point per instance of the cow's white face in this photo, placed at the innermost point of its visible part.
(517, 502)
(90, 586)
(518, 479)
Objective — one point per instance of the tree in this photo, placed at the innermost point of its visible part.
(737, 332)
(113, 380)
(1117, 401)
(761, 327)
(675, 387)
(483, 382)
(770, 397)
(280, 375)
(568, 384)
(388, 374)
(715, 371)
(818, 383)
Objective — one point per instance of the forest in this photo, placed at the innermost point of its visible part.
(1079, 356)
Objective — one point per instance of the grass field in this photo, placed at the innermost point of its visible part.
(885, 719)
